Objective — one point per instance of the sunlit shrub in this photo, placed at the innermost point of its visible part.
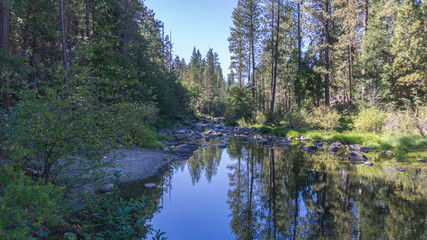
(370, 120)
(408, 122)
(325, 118)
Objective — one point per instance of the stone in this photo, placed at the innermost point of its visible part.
(150, 185)
(422, 160)
(389, 153)
(333, 149)
(368, 164)
(311, 148)
(299, 147)
(290, 138)
(222, 145)
(357, 156)
(364, 149)
(107, 187)
(400, 169)
(282, 144)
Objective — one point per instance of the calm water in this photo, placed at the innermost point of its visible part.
(250, 192)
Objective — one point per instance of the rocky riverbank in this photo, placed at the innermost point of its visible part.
(186, 137)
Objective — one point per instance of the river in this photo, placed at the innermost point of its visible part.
(248, 191)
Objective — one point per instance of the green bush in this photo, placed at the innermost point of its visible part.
(370, 120)
(57, 133)
(28, 209)
(325, 118)
(296, 117)
(238, 105)
(109, 216)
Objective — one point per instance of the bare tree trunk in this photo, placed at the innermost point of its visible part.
(365, 27)
(64, 38)
(298, 98)
(349, 74)
(327, 42)
(252, 51)
(87, 20)
(275, 56)
(4, 53)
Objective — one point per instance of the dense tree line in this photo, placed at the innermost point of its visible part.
(204, 81)
(299, 53)
(120, 46)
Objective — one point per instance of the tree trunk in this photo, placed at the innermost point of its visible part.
(349, 74)
(4, 53)
(252, 51)
(87, 20)
(365, 27)
(298, 97)
(275, 56)
(125, 24)
(327, 42)
(64, 38)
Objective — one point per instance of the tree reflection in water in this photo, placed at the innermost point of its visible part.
(278, 193)
(288, 194)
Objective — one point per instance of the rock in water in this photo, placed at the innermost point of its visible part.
(310, 148)
(368, 164)
(357, 156)
(150, 185)
(222, 146)
(333, 149)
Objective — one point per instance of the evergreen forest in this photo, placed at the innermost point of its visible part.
(80, 79)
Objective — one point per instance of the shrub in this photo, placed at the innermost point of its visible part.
(296, 117)
(238, 105)
(109, 216)
(408, 122)
(57, 133)
(370, 120)
(325, 118)
(28, 209)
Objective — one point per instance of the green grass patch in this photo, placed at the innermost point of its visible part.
(413, 146)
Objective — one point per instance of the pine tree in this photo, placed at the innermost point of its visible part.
(410, 51)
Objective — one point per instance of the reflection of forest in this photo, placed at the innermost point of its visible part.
(287, 194)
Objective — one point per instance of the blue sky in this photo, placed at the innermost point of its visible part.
(202, 24)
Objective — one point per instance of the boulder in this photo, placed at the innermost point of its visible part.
(357, 156)
(311, 148)
(333, 149)
(282, 144)
(107, 187)
(364, 149)
(150, 185)
(368, 164)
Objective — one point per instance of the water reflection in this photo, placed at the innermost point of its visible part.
(277, 193)
(287, 194)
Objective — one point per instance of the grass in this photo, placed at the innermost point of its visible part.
(413, 146)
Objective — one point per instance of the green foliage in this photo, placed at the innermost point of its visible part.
(46, 130)
(325, 118)
(238, 105)
(109, 216)
(370, 120)
(28, 209)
